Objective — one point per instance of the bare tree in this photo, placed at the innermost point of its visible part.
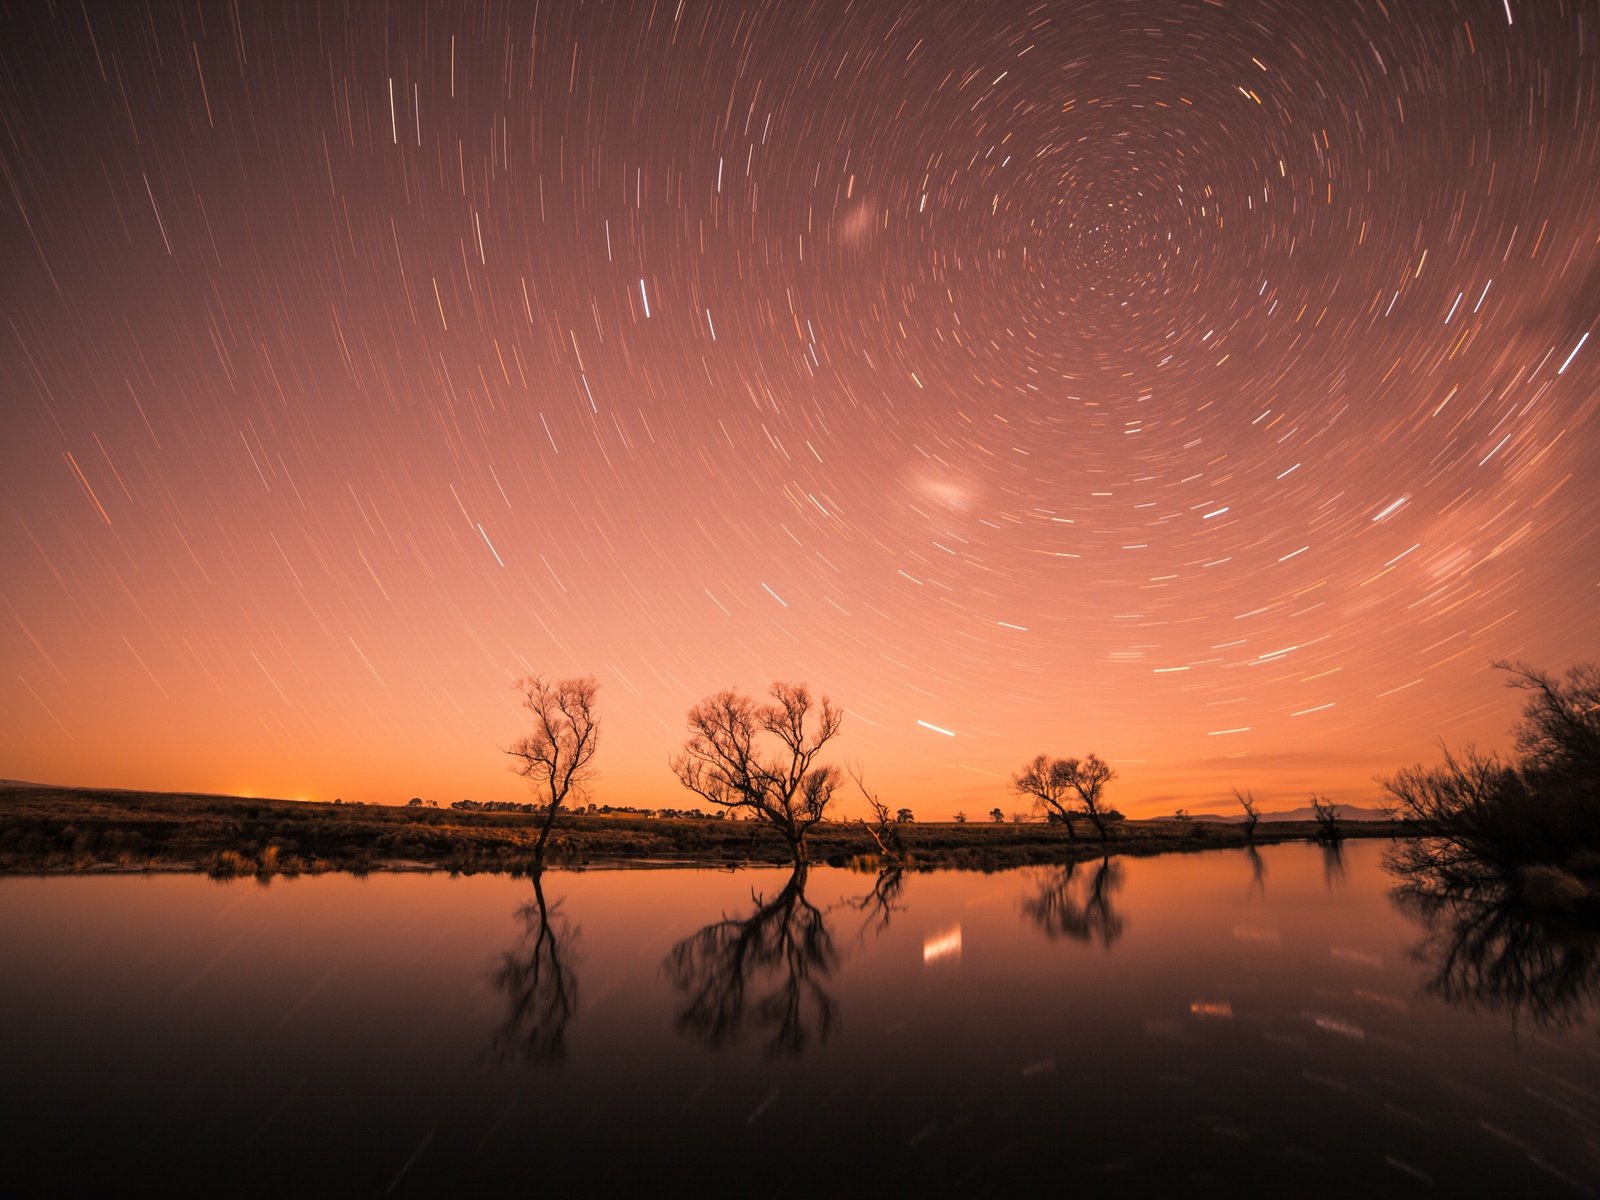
(1252, 813)
(555, 758)
(1326, 813)
(1044, 779)
(1089, 779)
(882, 830)
(1472, 811)
(722, 761)
(1054, 783)
(1558, 737)
(1486, 820)
(1462, 792)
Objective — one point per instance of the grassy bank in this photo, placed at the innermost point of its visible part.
(44, 829)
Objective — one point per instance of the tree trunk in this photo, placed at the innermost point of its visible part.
(544, 834)
(798, 848)
(883, 850)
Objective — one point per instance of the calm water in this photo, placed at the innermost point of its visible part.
(1197, 1022)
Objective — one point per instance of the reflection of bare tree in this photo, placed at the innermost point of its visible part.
(765, 970)
(1258, 870)
(882, 902)
(1078, 905)
(1333, 863)
(1454, 863)
(1485, 951)
(540, 988)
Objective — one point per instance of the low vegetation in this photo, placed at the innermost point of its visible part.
(57, 830)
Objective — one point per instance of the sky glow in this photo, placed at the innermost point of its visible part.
(1204, 385)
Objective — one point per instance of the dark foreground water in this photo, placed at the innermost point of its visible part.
(1194, 1023)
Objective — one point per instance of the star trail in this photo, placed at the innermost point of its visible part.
(1208, 385)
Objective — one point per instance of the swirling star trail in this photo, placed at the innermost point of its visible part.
(1209, 385)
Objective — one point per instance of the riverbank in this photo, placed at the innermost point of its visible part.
(67, 830)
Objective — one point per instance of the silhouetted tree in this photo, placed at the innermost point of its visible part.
(997, 816)
(1326, 813)
(904, 816)
(1054, 785)
(1468, 808)
(555, 757)
(1558, 738)
(723, 763)
(766, 970)
(1252, 814)
(537, 979)
(1044, 780)
(1078, 905)
(1486, 820)
(881, 830)
(961, 818)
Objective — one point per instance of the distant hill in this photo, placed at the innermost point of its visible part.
(1347, 812)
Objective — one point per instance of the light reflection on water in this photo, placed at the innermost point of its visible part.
(1194, 1021)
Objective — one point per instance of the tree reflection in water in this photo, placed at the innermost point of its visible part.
(882, 902)
(1333, 864)
(1486, 951)
(540, 987)
(764, 971)
(1077, 904)
(1258, 871)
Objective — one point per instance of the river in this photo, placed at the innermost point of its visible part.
(1214, 1021)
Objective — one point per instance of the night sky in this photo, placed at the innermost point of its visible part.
(1212, 386)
